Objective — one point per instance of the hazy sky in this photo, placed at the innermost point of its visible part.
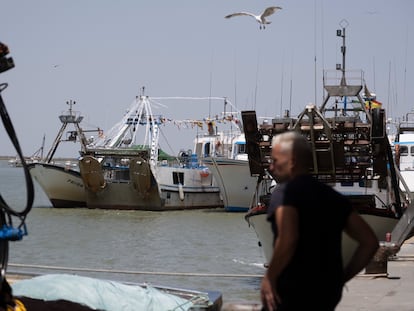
(100, 53)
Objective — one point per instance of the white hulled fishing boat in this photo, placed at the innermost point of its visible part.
(61, 181)
(119, 173)
(351, 152)
(223, 150)
(404, 151)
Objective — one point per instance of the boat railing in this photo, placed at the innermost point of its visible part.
(116, 152)
(71, 116)
(220, 135)
(184, 160)
(336, 77)
(405, 127)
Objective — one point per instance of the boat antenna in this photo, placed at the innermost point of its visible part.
(211, 85)
(290, 95)
(281, 90)
(314, 48)
(341, 33)
(235, 81)
(70, 103)
(257, 76)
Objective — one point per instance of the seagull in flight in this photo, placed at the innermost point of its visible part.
(261, 19)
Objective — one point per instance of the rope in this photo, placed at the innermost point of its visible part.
(8, 125)
(225, 275)
(8, 232)
(181, 306)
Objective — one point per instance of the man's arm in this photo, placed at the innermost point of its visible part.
(283, 250)
(286, 241)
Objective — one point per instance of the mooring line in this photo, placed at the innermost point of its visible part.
(227, 275)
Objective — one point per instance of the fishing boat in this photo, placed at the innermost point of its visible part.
(233, 177)
(61, 181)
(119, 173)
(37, 156)
(351, 152)
(404, 150)
(223, 151)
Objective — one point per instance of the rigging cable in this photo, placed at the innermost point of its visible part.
(7, 231)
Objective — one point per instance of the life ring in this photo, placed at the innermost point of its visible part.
(204, 173)
(260, 207)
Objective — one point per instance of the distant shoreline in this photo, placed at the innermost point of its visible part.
(55, 159)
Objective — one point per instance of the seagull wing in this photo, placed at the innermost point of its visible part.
(270, 10)
(240, 14)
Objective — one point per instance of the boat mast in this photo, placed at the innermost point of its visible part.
(340, 33)
(343, 90)
(69, 117)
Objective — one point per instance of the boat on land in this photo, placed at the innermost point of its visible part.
(351, 152)
(120, 173)
(223, 151)
(61, 180)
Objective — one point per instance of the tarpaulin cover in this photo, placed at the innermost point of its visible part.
(98, 294)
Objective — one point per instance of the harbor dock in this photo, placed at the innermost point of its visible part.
(366, 292)
(384, 292)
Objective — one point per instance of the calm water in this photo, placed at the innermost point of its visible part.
(160, 248)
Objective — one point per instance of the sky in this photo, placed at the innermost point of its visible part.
(101, 53)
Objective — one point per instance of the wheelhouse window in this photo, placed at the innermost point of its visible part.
(403, 150)
(178, 178)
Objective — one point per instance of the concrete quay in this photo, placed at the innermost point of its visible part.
(392, 290)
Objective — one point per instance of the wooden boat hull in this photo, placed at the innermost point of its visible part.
(118, 188)
(122, 196)
(235, 181)
(137, 187)
(63, 186)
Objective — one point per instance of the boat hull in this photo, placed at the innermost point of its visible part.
(408, 176)
(187, 188)
(257, 220)
(138, 187)
(123, 196)
(235, 181)
(175, 197)
(63, 186)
